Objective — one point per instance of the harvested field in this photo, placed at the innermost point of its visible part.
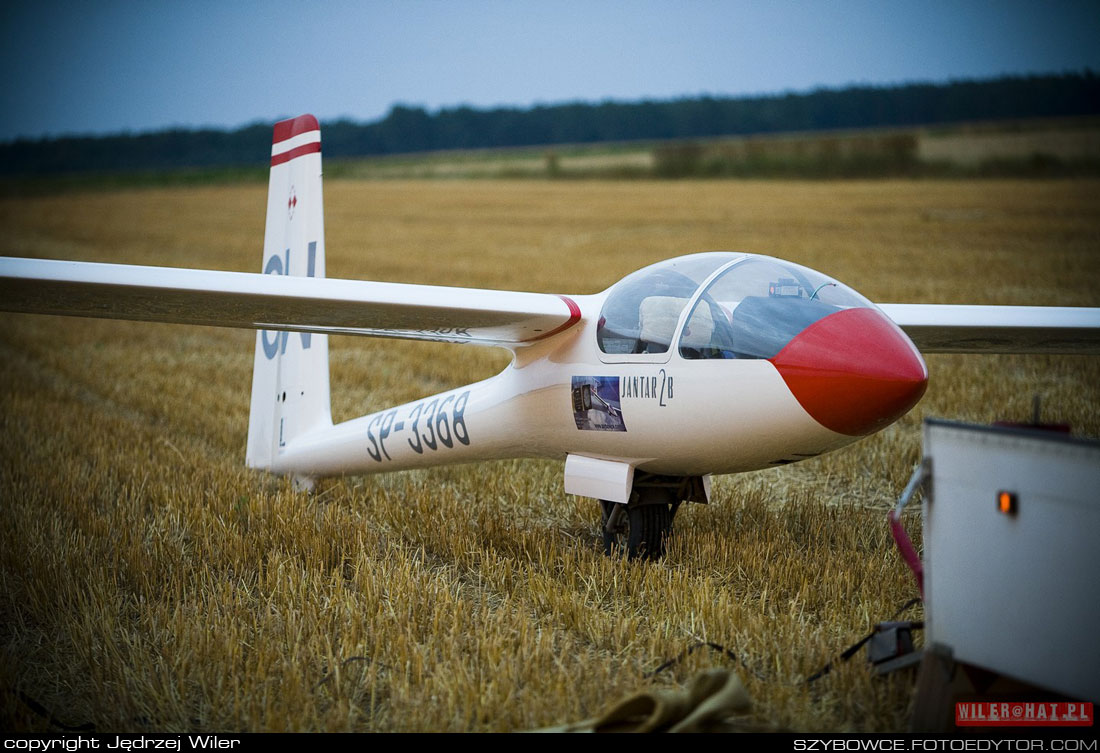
(148, 581)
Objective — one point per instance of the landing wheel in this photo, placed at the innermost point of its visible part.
(642, 528)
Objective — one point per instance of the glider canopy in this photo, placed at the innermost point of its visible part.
(741, 306)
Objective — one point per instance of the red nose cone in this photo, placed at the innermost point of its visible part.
(854, 371)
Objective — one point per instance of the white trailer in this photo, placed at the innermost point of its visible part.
(1011, 566)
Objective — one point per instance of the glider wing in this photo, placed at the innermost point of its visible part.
(937, 328)
(281, 302)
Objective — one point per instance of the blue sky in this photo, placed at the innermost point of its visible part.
(107, 66)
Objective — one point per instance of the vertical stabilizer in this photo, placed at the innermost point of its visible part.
(290, 380)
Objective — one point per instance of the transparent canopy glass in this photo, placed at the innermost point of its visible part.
(751, 310)
(641, 313)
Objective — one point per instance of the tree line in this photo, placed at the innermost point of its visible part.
(409, 129)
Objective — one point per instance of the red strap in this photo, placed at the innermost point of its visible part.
(905, 548)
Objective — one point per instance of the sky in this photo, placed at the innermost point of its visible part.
(107, 66)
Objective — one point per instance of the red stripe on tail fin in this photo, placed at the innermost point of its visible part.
(287, 156)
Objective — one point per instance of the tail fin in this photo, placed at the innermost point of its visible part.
(290, 379)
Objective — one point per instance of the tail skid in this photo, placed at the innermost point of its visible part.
(290, 378)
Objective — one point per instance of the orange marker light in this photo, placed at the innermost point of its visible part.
(1006, 503)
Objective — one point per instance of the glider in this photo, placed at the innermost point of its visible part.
(705, 364)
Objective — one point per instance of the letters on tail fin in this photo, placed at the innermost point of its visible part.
(290, 379)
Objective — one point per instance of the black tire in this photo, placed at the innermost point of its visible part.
(644, 528)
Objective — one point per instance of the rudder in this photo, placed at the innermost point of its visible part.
(290, 377)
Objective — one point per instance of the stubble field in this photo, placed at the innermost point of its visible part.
(148, 581)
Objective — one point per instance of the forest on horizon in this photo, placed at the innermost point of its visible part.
(409, 129)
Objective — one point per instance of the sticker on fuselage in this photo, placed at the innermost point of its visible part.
(596, 404)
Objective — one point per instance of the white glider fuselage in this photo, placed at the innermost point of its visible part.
(653, 374)
(678, 417)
